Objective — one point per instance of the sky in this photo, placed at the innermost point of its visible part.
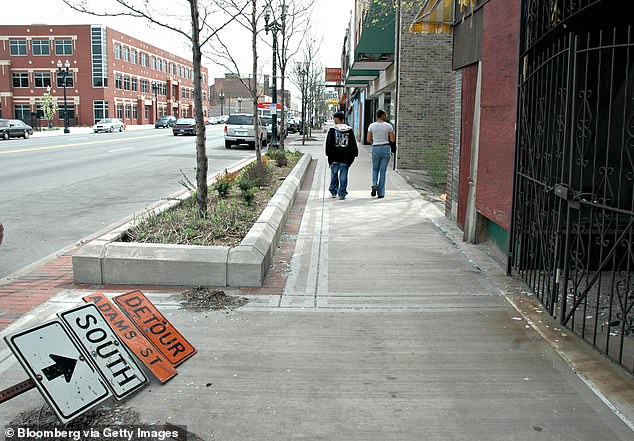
(330, 19)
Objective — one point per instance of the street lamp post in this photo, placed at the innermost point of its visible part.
(50, 121)
(63, 71)
(239, 104)
(274, 26)
(221, 95)
(155, 88)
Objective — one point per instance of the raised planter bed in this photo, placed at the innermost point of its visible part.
(107, 261)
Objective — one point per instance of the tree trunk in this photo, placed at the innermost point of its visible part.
(254, 91)
(201, 139)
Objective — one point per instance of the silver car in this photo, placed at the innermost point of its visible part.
(108, 125)
(240, 130)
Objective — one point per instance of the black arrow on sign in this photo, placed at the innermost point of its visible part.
(63, 366)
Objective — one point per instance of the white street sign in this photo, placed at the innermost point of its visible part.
(109, 355)
(66, 380)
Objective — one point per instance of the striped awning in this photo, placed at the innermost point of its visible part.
(436, 17)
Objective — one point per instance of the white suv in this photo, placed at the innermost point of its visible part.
(239, 130)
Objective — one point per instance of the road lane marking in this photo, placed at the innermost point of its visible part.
(120, 150)
(79, 144)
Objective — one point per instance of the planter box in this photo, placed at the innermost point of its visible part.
(106, 261)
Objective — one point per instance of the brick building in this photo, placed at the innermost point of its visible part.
(111, 74)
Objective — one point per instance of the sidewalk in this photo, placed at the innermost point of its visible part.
(375, 323)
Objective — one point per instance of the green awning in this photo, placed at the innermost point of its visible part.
(375, 49)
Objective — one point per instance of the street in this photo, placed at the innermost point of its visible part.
(54, 191)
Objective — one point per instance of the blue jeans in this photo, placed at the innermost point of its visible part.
(339, 179)
(380, 160)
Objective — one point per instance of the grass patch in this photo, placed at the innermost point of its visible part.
(435, 159)
(235, 202)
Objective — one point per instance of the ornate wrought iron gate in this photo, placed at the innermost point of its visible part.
(573, 218)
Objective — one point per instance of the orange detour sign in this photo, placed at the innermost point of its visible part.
(155, 327)
(145, 351)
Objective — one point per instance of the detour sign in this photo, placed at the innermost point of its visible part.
(155, 327)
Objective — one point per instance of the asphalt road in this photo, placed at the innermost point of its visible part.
(54, 191)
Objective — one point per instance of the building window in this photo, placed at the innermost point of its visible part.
(117, 51)
(135, 112)
(133, 56)
(127, 112)
(164, 89)
(17, 47)
(118, 81)
(20, 79)
(126, 54)
(70, 109)
(135, 84)
(41, 47)
(153, 61)
(99, 56)
(70, 82)
(146, 112)
(120, 111)
(22, 111)
(100, 110)
(145, 86)
(126, 83)
(172, 68)
(63, 47)
(143, 59)
(42, 79)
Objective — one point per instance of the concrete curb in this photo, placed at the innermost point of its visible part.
(106, 261)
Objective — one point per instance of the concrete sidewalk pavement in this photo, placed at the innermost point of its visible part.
(376, 323)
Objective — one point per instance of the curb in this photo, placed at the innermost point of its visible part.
(106, 261)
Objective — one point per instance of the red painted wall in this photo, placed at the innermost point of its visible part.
(500, 47)
(469, 80)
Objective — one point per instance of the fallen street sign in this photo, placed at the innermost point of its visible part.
(105, 350)
(127, 331)
(59, 369)
(155, 327)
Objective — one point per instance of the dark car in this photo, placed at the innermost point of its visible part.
(184, 126)
(165, 121)
(14, 128)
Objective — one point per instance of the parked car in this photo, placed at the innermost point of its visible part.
(240, 130)
(292, 126)
(184, 126)
(14, 128)
(165, 121)
(108, 125)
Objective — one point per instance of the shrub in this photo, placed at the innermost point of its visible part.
(223, 184)
(279, 156)
(260, 176)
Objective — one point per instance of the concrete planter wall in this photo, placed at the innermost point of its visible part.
(106, 261)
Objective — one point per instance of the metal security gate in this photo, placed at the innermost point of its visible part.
(573, 217)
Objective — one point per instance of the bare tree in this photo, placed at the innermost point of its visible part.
(223, 56)
(198, 30)
(294, 17)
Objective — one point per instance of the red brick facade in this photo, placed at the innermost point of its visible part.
(112, 74)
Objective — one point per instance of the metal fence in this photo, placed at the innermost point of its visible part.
(573, 222)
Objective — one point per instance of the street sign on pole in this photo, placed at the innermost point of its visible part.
(134, 339)
(59, 369)
(155, 326)
(109, 355)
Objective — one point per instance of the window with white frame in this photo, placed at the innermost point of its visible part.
(41, 47)
(42, 79)
(17, 47)
(20, 79)
(117, 51)
(126, 53)
(63, 47)
(100, 110)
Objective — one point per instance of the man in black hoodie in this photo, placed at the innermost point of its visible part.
(341, 149)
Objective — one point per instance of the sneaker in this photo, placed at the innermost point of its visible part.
(380, 197)
(374, 190)
(341, 198)
(333, 195)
